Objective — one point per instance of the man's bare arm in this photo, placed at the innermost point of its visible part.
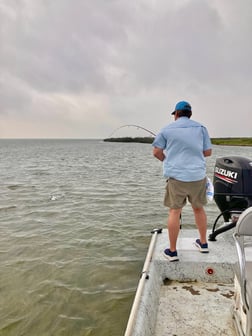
(207, 152)
(158, 153)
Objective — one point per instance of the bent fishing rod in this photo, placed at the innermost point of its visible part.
(136, 126)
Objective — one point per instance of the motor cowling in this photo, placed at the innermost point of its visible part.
(232, 184)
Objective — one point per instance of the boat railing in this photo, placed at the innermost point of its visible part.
(141, 284)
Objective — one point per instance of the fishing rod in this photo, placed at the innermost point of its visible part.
(136, 126)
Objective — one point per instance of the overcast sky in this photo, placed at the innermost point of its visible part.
(83, 68)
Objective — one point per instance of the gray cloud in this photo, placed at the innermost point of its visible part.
(58, 46)
(100, 64)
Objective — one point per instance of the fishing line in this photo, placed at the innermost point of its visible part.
(136, 126)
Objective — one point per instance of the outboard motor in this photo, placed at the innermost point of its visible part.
(232, 190)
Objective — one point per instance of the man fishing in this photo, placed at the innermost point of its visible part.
(182, 147)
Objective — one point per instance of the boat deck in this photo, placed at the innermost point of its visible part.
(215, 266)
(192, 296)
(203, 309)
(204, 303)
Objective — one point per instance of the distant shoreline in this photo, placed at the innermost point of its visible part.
(215, 141)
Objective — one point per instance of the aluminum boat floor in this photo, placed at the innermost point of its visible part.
(195, 309)
(193, 301)
(192, 296)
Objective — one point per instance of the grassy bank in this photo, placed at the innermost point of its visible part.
(215, 141)
(232, 141)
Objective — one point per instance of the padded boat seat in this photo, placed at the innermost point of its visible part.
(248, 268)
(249, 292)
(248, 276)
(243, 269)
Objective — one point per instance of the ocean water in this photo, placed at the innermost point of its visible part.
(75, 222)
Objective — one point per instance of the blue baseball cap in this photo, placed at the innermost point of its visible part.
(182, 105)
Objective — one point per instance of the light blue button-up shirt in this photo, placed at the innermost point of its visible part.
(183, 142)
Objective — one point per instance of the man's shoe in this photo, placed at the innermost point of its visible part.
(203, 248)
(171, 256)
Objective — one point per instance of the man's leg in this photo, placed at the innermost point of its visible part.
(173, 227)
(201, 222)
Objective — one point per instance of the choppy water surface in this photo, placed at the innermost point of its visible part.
(75, 225)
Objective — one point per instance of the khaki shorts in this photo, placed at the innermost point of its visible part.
(177, 192)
